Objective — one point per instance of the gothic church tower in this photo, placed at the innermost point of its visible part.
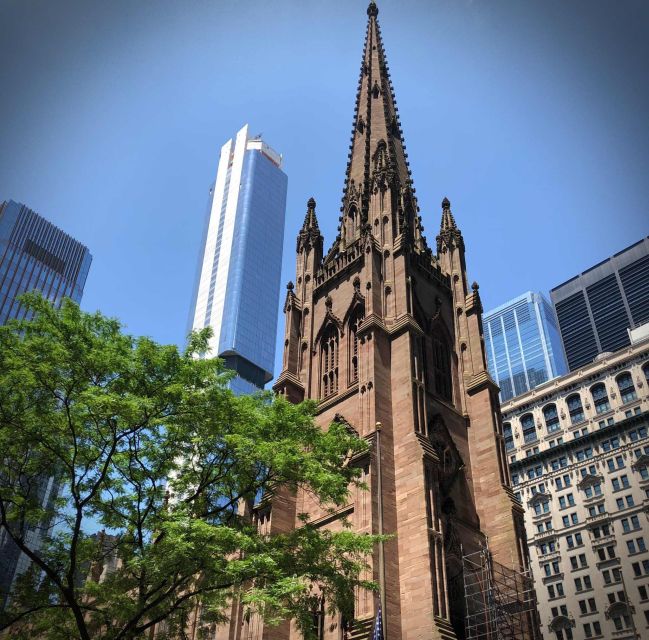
(386, 335)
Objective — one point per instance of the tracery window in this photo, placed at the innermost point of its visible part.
(329, 361)
(442, 366)
(626, 387)
(352, 216)
(354, 323)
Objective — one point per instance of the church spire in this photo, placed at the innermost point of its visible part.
(377, 156)
(448, 230)
(309, 235)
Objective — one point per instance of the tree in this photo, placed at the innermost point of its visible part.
(148, 443)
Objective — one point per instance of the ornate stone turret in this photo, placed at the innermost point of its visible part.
(449, 235)
(309, 236)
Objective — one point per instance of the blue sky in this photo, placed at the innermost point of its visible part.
(530, 116)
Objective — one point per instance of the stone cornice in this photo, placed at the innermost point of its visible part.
(479, 382)
(589, 438)
(286, 377)
(576, 380)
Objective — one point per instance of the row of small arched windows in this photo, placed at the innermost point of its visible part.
(576, 414)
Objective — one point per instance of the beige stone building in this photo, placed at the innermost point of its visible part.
(578, 451)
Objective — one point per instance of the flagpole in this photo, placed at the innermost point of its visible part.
(379, 486)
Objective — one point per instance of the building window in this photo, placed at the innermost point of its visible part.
(622, 622)
(508, 435)
(615, 463)
(637, 434)
(318, 620)
(329, 362)
(611, 443)
(551, 418)
(600, 398)
(625, 385)
(529, 430)
(583, 454)
(354, 324)
(442, 364)
(575, 409)
(592, 491)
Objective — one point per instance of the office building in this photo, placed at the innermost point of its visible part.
(597, 308)
(384, 332)
(34, 255)
(578, 450)
(523, 344)
(237, 291)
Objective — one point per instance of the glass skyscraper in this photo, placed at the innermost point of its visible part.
(238, 283)
(34, 255)
(597, 308)
(523, 344)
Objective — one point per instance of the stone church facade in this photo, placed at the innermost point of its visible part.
(385, 333)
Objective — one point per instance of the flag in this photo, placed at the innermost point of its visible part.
(378, 625)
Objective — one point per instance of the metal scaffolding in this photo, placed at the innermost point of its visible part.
(500, 602)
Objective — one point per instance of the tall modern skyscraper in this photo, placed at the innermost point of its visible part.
(523, 344)
(34, 255)
(237, 290)
(597, 308)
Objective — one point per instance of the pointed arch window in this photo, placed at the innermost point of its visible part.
(575, 408)
(329, 361)
(551, 418)
(354, 323)
(645, 370)
(600, 398)
(626, 387)
(352, 216)
(442, 367)
(529, 428)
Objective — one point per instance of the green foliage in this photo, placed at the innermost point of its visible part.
(147, 442)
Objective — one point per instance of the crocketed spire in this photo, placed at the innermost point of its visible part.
(377, 150)
(448, 230)
(310, 232)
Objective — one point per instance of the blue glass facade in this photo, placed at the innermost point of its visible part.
(255, 271)
(523, 344)
(239, 283)
(36, 255)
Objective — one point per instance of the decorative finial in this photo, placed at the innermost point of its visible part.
(446, 203)
(372, 9)
(311, 203)
(475, 287)
(328, 302)
(289, 286)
